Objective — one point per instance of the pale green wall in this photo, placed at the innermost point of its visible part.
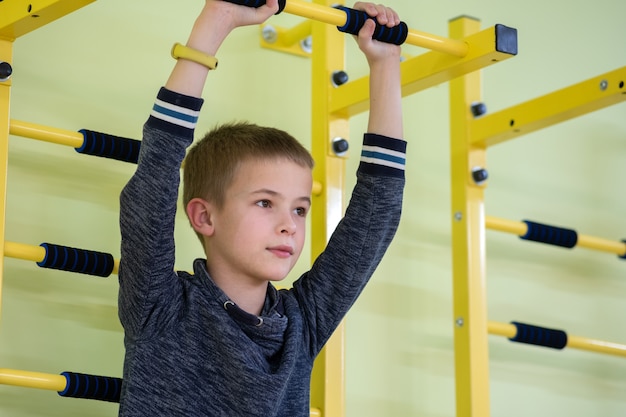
(100, 67)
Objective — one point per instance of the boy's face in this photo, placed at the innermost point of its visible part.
(260, 230)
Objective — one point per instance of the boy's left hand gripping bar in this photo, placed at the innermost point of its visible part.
(258, 3)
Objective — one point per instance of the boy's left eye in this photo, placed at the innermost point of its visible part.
(300, 211)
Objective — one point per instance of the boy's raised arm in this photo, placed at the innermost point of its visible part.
(216, 20)
(385, 116)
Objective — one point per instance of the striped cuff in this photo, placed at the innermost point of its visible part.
(383, 156)
(175, 113)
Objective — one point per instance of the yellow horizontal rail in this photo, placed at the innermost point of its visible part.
(424, 71)
(52, 382)
(576, 342)
(46, 133)
(35, 253)
(586, 241)
(32, 379)
(576, 100)
(19, 17)
(337, 17)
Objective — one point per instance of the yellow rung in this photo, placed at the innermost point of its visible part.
(576, 342)
(585, 241)
(338, 17)
(35, 253)
(46, 134)
(32, 379)
(23, 251)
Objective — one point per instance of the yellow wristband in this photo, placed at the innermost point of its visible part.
(190, 54)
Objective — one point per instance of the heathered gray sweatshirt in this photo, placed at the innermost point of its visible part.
(192, 352)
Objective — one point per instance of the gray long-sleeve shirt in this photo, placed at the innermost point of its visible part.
(189, 351)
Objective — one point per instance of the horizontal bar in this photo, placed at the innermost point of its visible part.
(52, 382)
(424, 71)
(34, 253)
(46, 133)
(296, 33)
(575, 342)
(565, 104)
(32, 379)
(19, 17)
(585, 241)
(337, 17)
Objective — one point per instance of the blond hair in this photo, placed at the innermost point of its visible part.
(211, 163)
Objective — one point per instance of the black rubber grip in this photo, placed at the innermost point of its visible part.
(355, 19)
(551, 235)
(92, 387)
(624, 255)
(540, 336)
(77, 260)
(258, 3)
(109, 146)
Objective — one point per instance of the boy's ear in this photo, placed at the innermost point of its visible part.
(200, 214)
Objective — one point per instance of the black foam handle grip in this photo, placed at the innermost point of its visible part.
(258, 3)
(540, 336)
(92, 387)
(77, 260)
(355, 19)
(109, 146)
(551, 235)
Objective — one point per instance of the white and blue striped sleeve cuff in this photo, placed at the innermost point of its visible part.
(175, 113)
(383, 156)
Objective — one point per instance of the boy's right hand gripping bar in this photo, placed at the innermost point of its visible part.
(354, 22)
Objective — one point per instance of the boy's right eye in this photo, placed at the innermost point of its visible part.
(264, 203)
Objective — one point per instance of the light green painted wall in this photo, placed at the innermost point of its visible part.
(100, 67)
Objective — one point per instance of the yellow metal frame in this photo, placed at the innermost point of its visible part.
(6, 55)
(468, 244)
(328, 378)
(469, 139)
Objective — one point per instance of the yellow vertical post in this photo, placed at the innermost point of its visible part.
(328, 380)
(468, 243)
(6, 54)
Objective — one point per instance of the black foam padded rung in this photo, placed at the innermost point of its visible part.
(258, 3)
(539, 336)
(92, 387)
(355, 19)
(109, 146)
(77, 260)
(551, 235)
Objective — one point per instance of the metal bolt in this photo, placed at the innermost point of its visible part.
(269, 34)
(479, 175)
(478, 109)
(604, 84)
(459, 322)
(339, 78)
(340, 146)
(458, 216)
(5, 71)
(306, 44)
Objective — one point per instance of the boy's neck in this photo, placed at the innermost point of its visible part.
(249, 297)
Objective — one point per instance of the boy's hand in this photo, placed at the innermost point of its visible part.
(233, 15)
(375, 50)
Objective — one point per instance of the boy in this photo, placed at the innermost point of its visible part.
(224, 341)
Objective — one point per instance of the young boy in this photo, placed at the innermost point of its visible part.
(223, 341)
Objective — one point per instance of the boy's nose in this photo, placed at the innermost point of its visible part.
(287, 225)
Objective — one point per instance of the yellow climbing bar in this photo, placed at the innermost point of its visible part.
(337, 17)
(576, 342)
